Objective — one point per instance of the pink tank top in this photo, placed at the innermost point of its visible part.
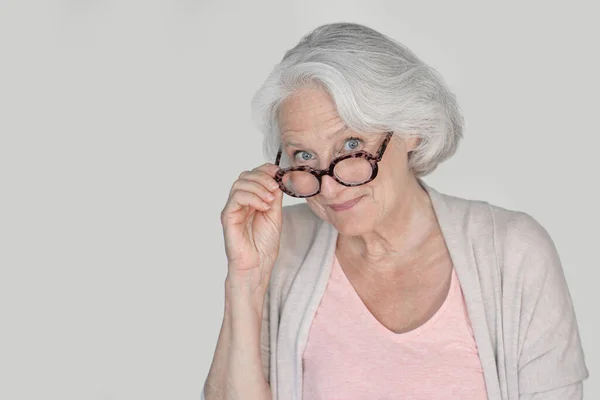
(351, 355)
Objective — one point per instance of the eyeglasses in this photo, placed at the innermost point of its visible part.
(352, 169)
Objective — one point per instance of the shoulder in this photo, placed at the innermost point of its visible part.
(517, 238)
(521, 237)
(525, 252)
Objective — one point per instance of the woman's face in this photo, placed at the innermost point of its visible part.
(313, 134)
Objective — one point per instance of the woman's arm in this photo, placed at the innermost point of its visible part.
(551, 360)
(237, 368)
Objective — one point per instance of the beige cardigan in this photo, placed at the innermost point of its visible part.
(515, 290)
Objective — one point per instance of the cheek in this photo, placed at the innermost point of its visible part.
(382, 194)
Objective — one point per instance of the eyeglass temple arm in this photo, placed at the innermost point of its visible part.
(278, 158)
(384, 145)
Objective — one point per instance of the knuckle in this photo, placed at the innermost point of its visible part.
(265, 178)
(235, 194)
(238, 185)
(243, 174)
(223, 215)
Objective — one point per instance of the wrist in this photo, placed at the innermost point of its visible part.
(253, 280)
(243, 291)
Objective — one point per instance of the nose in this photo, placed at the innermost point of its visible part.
(329, 187)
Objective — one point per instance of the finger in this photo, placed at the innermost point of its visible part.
(254, 187)
(269, 168)
(262, 177)
(241, 198)
(276, 204)
(275, 212)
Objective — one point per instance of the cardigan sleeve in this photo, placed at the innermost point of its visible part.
(569, 392)
(551, 362)
(265, 345)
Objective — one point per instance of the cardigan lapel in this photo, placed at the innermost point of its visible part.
(299, 309)
(453, 217)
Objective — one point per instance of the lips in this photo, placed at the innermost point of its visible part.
(345, 206)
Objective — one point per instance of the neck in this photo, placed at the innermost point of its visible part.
(405, 228)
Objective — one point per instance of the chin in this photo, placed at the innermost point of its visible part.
(352, 224)
(352, 228)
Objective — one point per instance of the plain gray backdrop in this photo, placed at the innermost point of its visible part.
(124, 123)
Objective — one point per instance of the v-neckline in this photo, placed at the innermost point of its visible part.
(388, 333)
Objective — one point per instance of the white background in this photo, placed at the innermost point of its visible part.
(123, 124)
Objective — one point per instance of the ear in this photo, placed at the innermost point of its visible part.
(412, 142)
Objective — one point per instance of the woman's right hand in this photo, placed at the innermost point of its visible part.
(251, 222)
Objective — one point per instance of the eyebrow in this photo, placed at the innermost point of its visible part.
(331, 137)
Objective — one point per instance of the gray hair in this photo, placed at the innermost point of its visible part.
(377, 85)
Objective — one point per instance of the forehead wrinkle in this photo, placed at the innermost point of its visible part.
(343, 129)
(302, 115)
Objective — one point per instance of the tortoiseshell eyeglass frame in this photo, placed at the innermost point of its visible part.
(320, 173)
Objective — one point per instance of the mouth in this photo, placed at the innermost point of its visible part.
(345, 206)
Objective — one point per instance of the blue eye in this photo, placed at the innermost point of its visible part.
(304, 156)
(352, 144)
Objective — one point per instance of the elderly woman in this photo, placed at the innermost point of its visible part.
(378, 286)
